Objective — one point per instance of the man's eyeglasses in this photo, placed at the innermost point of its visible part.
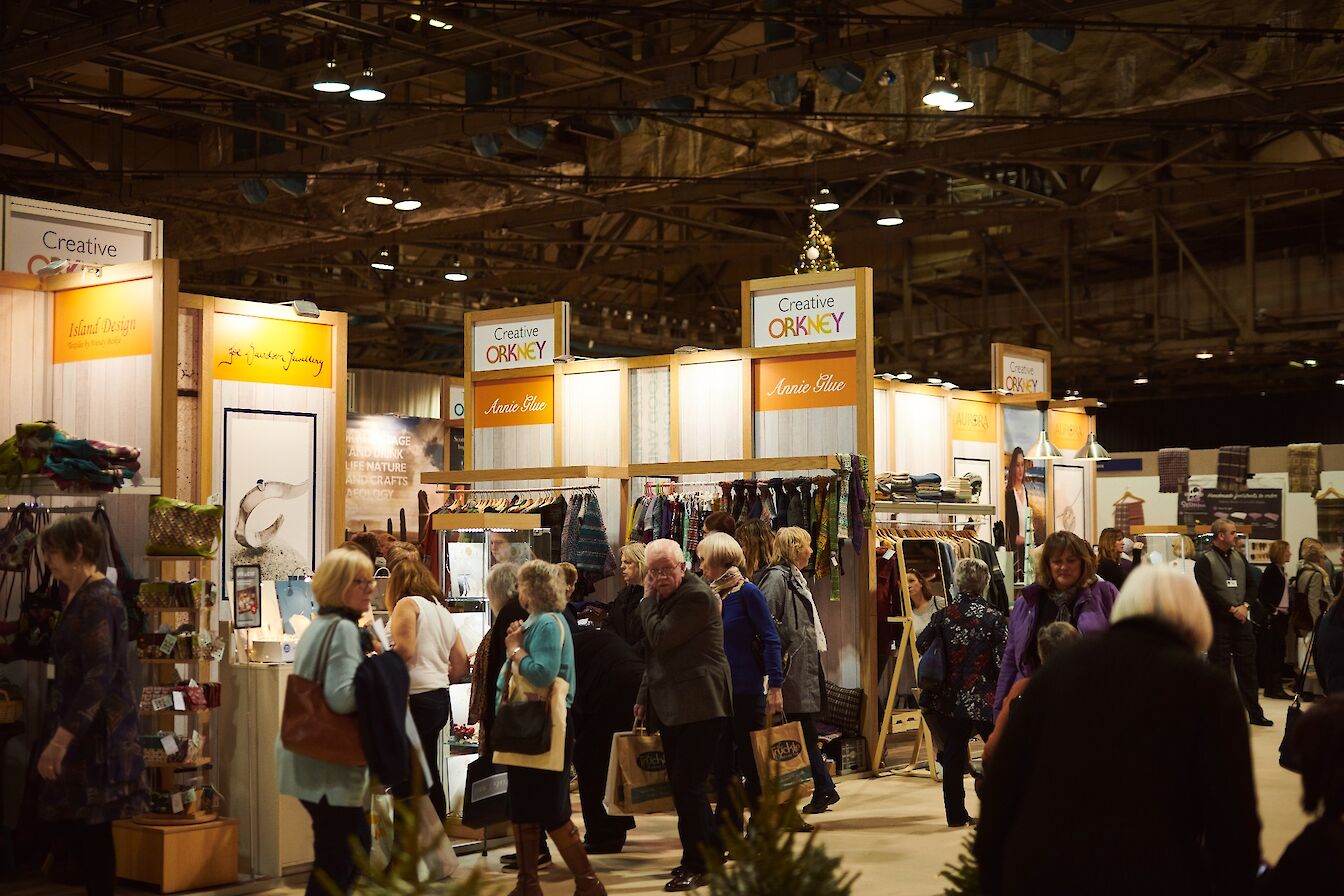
(665, 572)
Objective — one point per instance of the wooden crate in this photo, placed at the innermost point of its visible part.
(179, 857)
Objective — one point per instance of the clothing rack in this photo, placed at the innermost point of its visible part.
(516, 491)
(82, 508)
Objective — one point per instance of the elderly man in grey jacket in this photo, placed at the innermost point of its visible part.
(687, 694)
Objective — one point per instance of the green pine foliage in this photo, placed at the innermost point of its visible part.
(963, 877)
(771, 859)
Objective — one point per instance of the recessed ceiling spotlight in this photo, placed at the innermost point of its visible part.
(824, 201)
(905, 375)
(1203, 354)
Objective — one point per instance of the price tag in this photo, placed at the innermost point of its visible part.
(204, 640)
(176, 802)
(179, 704)
(163, 702)
(196, 740)
(169, 642)
(888, 555)
(217, 650)
(189, 796)
(169, 743)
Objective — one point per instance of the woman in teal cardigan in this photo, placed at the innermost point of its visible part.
(541, 650)
(333, 794)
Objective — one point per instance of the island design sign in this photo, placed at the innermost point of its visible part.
(112, 320)
(271, 350)
(509, 345)
(803, 315)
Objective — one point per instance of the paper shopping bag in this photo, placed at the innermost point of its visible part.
(637, 775)
(781, 757)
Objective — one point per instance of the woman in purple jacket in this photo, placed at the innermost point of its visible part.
(1066, 590)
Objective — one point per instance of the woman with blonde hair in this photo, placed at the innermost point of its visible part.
(1070, 745)
(802, 642)
(426, 636)
(1272, 638)
(541, 651)
(1066, 590)
(329, 650)
(622, 614)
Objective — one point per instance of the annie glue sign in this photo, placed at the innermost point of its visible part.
(802, 316)
(512, 344)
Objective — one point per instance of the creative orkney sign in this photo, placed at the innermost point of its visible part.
(1020, 371)
(815, 381)
(529, 401)
(115, 320)
(509, 345)
(36, 233)
(803, 315)
(271, 350)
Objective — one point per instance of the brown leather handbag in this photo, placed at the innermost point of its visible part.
(309, 727)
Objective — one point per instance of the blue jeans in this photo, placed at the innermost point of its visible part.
(822, 785)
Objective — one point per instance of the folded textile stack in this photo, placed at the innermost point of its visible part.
(965, 491)
(22, 454)
(928, 487)
(88, 463)
(897, 486)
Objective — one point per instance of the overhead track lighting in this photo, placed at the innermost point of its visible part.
(330, 81)
(379, 194)
(1043, 449)
(383, 261)
(905, 375)
(406, 202)
(824, 201)
(890, 217)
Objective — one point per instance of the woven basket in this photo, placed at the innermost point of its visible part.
(11, 710)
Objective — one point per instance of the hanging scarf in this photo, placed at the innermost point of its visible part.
(800, 586)
(1063, 601)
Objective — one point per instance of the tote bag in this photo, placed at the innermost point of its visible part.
(486, 797)
(637, 774)
(309, 727)
(516, 722)
(781, 757)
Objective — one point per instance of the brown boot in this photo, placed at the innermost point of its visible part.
(525, 841)
(571, 849)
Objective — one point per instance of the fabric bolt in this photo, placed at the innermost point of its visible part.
(1304, 467)
(1173, 470)
(1233, 463)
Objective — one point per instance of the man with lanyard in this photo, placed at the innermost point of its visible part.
(1223, 573)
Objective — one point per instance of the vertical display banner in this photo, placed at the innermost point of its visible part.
(973, 427)
(271, 350)
(1020, 371)
(384, 458)
(803, 315)
(527, 401)
(112, 320)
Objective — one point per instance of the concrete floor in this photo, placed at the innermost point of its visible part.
(890, 830)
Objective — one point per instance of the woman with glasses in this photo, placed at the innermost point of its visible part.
(330, 649)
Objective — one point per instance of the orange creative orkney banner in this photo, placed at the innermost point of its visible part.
(271, 350)
(113, 320)
(528, 401)
(813, 381)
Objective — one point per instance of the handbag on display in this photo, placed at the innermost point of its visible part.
(933, 664)
(781, 757)
(529, 728)
(18, 539)
(182, 529)
(309, 727)
(485, 799)
(38, 616)
(1289, 757)
(115, 567)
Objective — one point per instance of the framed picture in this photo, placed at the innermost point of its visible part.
(270, 498)
(1070, 499)
(247, 595)
(980, 467)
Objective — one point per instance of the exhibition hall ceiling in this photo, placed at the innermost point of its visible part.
(1149, 190)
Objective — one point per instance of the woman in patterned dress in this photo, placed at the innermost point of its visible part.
(91, 765)
(973, 636)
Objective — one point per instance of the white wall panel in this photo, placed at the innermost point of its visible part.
(806, 431)
(884, 457)
(590, 404)
(712, 407)
(513, 446)
(25, 358)
(650, 415)
(921, 434)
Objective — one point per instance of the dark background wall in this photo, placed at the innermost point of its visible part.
(1237, 418)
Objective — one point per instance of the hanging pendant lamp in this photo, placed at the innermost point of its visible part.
(1092, 449)
(1043, 449)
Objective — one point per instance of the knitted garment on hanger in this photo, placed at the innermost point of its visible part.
(1173, 470)
(818, 528)
(695, 521)
(592, 553)
(842, 498)
(767, 503)
(1304, 467)
(569, 534)
(796, 515)
(1233, 463)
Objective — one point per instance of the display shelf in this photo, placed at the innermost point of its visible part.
(186, 763)
(519, 474)
(158, 819)
(177, 558)
(169, 662)
(455, 521)
(42, 487)
(929, 507)
(745, 465)
(174, 712)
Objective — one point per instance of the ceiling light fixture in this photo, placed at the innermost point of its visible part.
(1310, 362)
(1340, 381)
(455, 272)
(905, 375)
(890, 217)
(1043, 449)
(940, 92)
(960, 101)
(366, 89)
(823, 201)
(406, 202)
(330, 80)
(1141, 379)
(949, 385)
(934, 380)
(1203, 354)
(378, 195)
(383, 261)
(1092, 450)
(433, 23)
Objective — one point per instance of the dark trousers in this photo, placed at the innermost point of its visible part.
(1270, 647)
(691, 752)
(1234, 643)
(955, 736)
(822, 785)
(737, 761)
(333, 853)
(592, 750)
(430, 711)
(95, 853)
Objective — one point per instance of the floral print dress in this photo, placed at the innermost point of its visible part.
(974, 634)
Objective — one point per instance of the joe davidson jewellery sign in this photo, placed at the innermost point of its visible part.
(800, 316)
(271, 350)
(513, 344)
